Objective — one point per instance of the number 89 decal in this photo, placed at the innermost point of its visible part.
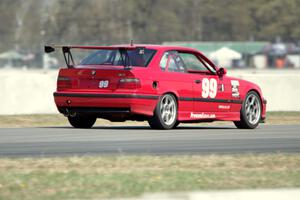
(209, 88)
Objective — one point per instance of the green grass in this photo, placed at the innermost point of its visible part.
(38, 120)
(128, 176)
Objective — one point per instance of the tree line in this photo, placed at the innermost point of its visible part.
(30, 24)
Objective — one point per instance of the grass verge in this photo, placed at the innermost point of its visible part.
(10, 121)
(127, 176)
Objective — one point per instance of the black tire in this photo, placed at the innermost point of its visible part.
(246, 122)
(176, 124)
(82, 121)
(157, 121)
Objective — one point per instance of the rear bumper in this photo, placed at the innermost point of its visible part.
(99, 103)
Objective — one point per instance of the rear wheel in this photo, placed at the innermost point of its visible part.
(82, 121)
(165, 114)
(250, 113)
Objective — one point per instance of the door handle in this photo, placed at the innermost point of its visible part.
(197, 81)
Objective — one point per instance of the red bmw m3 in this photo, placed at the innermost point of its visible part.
(165, 85)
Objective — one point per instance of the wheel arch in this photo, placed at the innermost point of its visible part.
(157, 121)
(168, 92)
(172, 93)
(243, 123)
(258, 92)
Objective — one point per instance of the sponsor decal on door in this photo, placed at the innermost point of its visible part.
(235, 88)
(202, 115)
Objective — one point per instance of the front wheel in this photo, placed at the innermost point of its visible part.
(165, 114)
(82, 121)
(250, 113)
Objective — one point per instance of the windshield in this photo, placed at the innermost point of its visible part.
(138, 57)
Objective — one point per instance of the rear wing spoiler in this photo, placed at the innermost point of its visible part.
(51, 48)
(66, 50)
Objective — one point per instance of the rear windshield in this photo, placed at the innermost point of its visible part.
(140, 57)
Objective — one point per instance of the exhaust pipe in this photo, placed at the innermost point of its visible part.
(69, 113)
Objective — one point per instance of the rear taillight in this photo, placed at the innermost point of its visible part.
(129, 83)
(63, 83)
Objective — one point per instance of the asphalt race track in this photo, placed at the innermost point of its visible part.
(60, 141)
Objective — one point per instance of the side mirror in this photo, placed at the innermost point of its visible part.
(221, 71)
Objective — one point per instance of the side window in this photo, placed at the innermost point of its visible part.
(180, 64)
(192, 62)
(172, 62)
(164, 61)
(172, 65)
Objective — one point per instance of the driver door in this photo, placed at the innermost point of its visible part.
(210, 91)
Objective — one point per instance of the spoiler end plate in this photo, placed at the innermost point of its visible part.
(49, 49)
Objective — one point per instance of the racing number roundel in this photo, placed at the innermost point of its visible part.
(103, 84)
(209, 88)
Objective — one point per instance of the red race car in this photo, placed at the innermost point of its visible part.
(165, 85)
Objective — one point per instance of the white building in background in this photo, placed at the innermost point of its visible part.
(225, 57)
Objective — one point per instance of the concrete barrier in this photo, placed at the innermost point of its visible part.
(274, 194)
(27, 92)
(31, 92)
(281, 88)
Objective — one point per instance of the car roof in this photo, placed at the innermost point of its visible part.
(157, 47)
